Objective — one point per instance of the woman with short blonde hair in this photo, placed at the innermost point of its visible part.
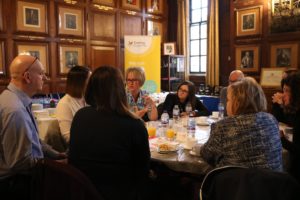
(138, 100)
(249, 136)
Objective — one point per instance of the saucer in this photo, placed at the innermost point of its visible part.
(193, 153)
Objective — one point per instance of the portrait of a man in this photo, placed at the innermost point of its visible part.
(32, 16)
(71, 58)
(35, 54)
(131, 2)
(248, 21)
(283, 57)
(247, 59)
(70, 21)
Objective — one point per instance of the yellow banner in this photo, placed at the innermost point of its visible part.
(144, 51)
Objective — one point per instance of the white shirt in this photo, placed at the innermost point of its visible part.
(65, 111)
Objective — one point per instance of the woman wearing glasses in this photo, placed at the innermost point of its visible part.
(185, 94)
(138, 100)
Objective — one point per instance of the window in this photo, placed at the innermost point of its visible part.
(198, 36)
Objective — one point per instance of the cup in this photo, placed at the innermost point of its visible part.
(202, 120)
(170, 133)
(189, 142)
(215, 114)
(151, 128)
(196, 149)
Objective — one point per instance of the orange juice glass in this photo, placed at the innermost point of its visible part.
(170, 133)
(151, 131)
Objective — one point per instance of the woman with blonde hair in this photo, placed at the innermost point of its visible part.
(248, 136)
(138, 100)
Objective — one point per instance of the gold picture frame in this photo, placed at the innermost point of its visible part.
(247, 58)
(131, 4)
(70, 56)
(31, 16)
(284, 55)
(39, 50)
(2, 58)
(248, 21)
(104, 2)
(155, 28)
(271, 77)
(155, 6)
(70, 21)
(169, 48)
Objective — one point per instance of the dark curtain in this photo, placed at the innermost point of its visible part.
(172, 21)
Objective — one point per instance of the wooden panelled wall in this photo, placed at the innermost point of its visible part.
(229, 40)
(104, 24)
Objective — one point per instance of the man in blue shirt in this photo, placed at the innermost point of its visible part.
(20, 147)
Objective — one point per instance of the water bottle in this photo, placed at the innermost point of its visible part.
(176, 113)
(188, 108)
(164, 119)
(221, 110)
(191, 126)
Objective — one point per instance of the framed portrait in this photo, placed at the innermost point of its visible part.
(170, 48)
(70, 56)
(271, 77)
(39, 50)
(32, 16)
(155, 28)
(2, 58)
(70, 21)
(131, 4)
(247, 58)
(155, 6)
(97, 19)
(104, 2)
(248, 21)
(284, 55)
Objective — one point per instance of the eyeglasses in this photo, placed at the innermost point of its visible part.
(29, 66)
(132, 80)
(183, 91)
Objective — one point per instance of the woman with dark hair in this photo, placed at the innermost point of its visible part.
(291, 107)
(248, 136)
(73, 100)
(185, 94)
(108, 142)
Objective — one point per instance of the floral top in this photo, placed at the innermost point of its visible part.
(250, 140)
(140, 103)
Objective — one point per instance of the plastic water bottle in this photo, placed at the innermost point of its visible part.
(191, 126)
(221, 110)
(188, 108)
(165, 119)
(176, 113)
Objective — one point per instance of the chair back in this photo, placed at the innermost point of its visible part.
(235, 183)
(54, 180)
(54, 138)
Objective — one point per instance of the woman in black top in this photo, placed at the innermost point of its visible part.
(108, 142)
(291, 107)
(185, 94)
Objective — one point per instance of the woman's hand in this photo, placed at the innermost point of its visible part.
(277, 98)
(142, 112)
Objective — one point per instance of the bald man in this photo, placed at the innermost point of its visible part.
(20, 147)
(234, 76)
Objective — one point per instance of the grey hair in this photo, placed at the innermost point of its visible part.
(248, 97)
